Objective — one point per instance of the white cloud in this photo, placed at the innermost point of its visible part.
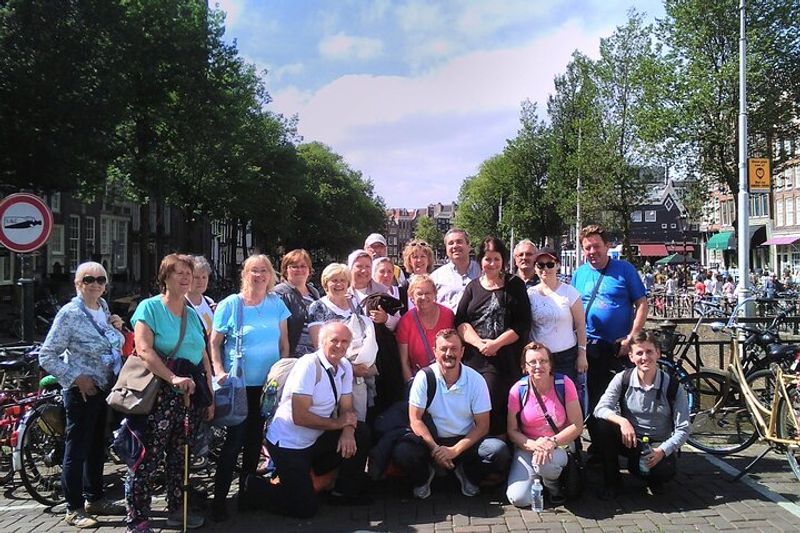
(343, 47)
(419, 137)
(233, 11)
(293, 69)
(420, 16)
(485, 18)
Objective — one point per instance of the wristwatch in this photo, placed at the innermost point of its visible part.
(554, 440)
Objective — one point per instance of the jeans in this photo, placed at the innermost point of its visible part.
(294, 495)
(84, 447)
(610, 447)
(487, 456)
(247, 437)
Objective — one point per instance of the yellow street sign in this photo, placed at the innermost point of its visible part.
(758, 174)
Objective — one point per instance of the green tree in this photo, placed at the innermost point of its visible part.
(427, 231)
(61, 92)
(336, 207)
(480, 198)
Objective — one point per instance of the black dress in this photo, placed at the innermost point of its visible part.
(491, 313)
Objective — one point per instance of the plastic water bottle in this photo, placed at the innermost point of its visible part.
(537, 495)
(646, 451)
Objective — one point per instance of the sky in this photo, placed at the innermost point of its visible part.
(416, 94)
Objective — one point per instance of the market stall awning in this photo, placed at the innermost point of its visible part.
(676, 259)
(725, 240)
(652, 250)
(678, 248)
(780, 240)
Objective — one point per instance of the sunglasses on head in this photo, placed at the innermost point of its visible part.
(419, 243)
(88, 280)
(549, 264)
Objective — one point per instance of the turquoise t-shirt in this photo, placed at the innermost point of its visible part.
(260, 336)
(166, 329)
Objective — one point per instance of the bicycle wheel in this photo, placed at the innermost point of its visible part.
(718, 427)
(43, 453)
(762, 383)
(789, 427)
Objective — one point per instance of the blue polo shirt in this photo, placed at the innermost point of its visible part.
(611, 314)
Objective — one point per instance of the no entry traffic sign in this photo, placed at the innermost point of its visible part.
(25, 222)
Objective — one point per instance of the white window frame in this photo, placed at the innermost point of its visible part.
(55, 202)
(105, 239)
(90, 233)
(636, 216)
(7, 260)
(650, 215)
(779, 213)
(55, 244)
(789, 211)
(74, 242)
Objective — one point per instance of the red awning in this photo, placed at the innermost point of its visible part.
(652, 250)
(782, 240)
(678, 248)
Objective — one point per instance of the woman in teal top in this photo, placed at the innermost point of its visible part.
(262, 316)
(157, 326)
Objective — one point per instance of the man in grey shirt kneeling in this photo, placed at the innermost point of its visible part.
(638, 403)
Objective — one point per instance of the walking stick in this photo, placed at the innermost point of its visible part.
(186, 401)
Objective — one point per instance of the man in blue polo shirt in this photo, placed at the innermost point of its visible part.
(615, 302)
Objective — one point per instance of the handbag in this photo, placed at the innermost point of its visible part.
(230, 399)
(137, 387)
(572, 476)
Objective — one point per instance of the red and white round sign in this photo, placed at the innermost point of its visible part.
(25, 222)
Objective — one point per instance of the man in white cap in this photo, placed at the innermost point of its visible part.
(375, 245)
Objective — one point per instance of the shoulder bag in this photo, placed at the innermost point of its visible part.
(572, 476)
(230, 399)
(137, 387)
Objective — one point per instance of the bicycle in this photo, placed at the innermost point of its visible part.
(731, 416)
(40, 444)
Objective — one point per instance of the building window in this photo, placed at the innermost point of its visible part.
(6, 267)
(673, 226)
(649, 216)
(105, 240)
(797, 208)
(790, 211)
(636, 216)
(664, 226)
(74, 242)
(89, 227)
(120, 244)
(55, 244)
(55, 202)
(779, 213)
(787, 179)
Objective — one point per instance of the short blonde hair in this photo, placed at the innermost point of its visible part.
(248, 264)
(333, 270)
(83, 268)
(409, 249)
(418, 280)
(295, 256)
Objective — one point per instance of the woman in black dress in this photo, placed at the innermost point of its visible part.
(493, 318)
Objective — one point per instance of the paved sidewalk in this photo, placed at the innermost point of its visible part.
(700, 498)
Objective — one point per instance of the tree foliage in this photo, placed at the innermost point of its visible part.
(427, 231)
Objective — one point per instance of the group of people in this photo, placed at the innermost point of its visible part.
(465, 369)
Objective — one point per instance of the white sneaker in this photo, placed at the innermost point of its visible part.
(468, 488)
(80, 519)
(424, 491)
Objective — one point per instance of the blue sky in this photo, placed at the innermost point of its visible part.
(416, 94)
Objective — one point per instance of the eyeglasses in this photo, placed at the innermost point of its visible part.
(88, 280)
(419, 243)
(531, 364)
(549, 264)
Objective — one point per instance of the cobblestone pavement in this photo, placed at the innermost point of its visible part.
(700, 498)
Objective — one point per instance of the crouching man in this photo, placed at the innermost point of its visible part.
(641, 402)
(315, 427)
(452, 438)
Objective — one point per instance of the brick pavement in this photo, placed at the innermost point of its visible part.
(700, 498)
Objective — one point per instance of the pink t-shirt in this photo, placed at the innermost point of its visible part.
(533, 422)
(408, 333)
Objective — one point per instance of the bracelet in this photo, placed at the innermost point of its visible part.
(582, 347)
(554, 440)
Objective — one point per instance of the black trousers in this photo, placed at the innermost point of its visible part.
(294, 495)
(603, 365)
(610, 446)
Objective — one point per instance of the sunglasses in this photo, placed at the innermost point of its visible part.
(549, 264)
(419, 243)
(88, 280)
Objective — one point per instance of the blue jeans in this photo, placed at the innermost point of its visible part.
(84, 447)
(487, 456)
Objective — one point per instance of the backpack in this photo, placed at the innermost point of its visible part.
(524, 393)
(672, 389)
(430, 380)
(272, 390)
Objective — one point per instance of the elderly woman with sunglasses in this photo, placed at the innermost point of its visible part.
(82, 350)
(558, 319)
(543, 416)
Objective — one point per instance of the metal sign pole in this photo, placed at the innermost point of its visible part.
(25, 283)
(744, 197)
